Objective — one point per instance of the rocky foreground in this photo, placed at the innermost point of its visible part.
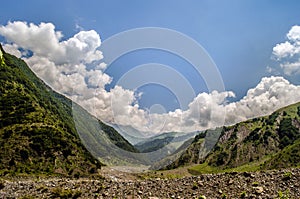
(268, 184)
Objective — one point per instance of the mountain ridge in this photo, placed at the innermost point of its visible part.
(268, 142)
(38, 134)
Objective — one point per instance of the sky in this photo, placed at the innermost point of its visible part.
(250, 48)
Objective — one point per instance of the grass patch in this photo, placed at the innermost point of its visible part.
(284, 195)
(65, 193)
(205, 168)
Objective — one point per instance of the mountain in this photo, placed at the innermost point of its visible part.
(159, 141)
(165, 148)
(131, 134)
(38, 131)
(154, 143)
(268, 142)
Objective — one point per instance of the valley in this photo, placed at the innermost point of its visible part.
(52, 148)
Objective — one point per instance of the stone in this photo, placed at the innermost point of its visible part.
(259, 190)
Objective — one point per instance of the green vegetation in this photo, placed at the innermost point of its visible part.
(204, 168)
(117, 139)
(243, 194)
(287, 157)
(223, 196)
(287, 132)
(153, 145)
(287, 176)
(195, 186)
(198, 149)
(37, 133)
(65, 193)
(284, 195)
(268, 142)
(37, 129)
(255, 184)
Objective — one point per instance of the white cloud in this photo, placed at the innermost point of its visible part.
(291, 68)
(82, 47)
(41, 39)
(63, 65)
(97, 78)
(269, 95)
(212, 110)
(12, 49)
(44, 41)
(283, 50)
(294, 34)
(45, 69)
(288, 52)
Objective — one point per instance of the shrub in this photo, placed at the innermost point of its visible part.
(65, 193)
(287, 176)
(284, 195)
(243, 194)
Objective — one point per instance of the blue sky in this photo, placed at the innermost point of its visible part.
(238, 35)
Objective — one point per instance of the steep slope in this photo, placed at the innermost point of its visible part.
(37, 130)
(271, 142)
(131, 134)
(154, 143)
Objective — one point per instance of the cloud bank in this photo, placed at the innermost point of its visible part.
(288, 52)
(65, 64)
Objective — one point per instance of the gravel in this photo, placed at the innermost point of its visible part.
(265, 184)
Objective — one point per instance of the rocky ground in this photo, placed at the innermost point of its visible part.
(269, 184)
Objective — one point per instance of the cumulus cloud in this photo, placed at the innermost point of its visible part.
(269, 95)
(283, 50)
(41, 39)
(209, 110)
(288, 52)
(294, 34)
(12, 49)
(44, 41)
(62, 63)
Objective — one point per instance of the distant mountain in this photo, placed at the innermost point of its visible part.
(165, 148)
(37, 129)
(159, 141)
(154, 143)
(270, 142)
(131, 134)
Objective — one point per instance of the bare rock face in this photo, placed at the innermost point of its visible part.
(267, 184)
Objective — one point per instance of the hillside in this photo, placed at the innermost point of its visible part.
(131, 134)
(268, 142)
(37, 130)
(153, 145)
